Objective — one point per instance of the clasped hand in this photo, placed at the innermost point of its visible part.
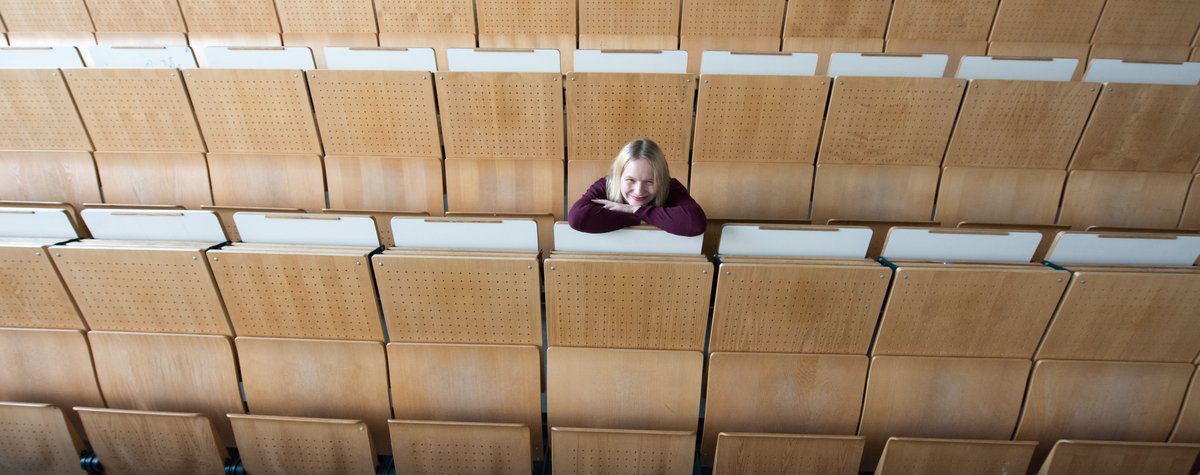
(614, 206)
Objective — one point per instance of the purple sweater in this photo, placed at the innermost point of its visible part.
(681, 215)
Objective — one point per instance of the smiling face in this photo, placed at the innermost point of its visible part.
(637, 183)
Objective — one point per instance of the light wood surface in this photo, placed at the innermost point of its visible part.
(759, 118)
(1101, 401)
(448, 298)
(603, 451)
(1191, 209)
(469, 383)
(439, 24)
(32, 293)
(216, 16)
(783, 394)
(999, 195)
(385, 183)
(606, 110)
(937, 20)
(739, 190)
(784, 454)
(879, 230)
(1187, 427)
(527, 24)
(155, 178)
(431, 448)
(225, 216)
(49, 15)
(253, 110)
(613, 24)
(501, 115)
(36, 439)
(503, 186)
(953, 49)
(135, 110)
(729, 26)
(66, 177)
(959, 398)
(1149, 23)
(381, 113)
(284, 445)
(317, 378)
(177, 373)
(136, 16)
(154, 442)
(50, 367)
(1020, 124)
(302, 294)
(890, 121)
(627, 304)
(1141, 127)
(316, 16)
(581, 174)
(969, 311)
(1131, 199)
(623, 389)
(267, 180)
(1077, 51)
(36, 112)
(1064, 21)
(1126, 316)
(1071, 457)
(865, 19)
(874, 192)
(765, 307)
(824, 47)
(912, 456)
(383, 221)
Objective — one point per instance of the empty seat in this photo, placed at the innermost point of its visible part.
(37, 439)
(1152, 140)
(321, 24)
(1114, 198)
(787, 454)
(283, 445)
(828, 26)
(1079, 457)
(218, 23)
(541, 24)
(601, 451)
(729, 26)
(48, 367)
(54, 22)
(910, 456)
(1157, 28)
(874, 192)
(603, 24)
(1060, 29)
(406, 23)
(133, 442)
(999, 195)
(429, 448)
(956, 29)
(137, 23)
(35, 295)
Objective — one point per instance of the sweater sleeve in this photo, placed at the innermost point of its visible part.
(682, 215)
(590, 217)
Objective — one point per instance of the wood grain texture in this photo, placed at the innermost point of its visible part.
(426, 18)
(729, 26)
(646, 304)
(174, 373)
(1130, 199)
(874, 192)
(154, 442)
(66, 177)
(224, 16)
(614, 24)
(155, 178)
(1141, 127)
(1187, 427)
(225, 216)
(32, 293)
(797, 308)
(431, 448)
(505, 186)
(385, 183)
(50, 367)
(302, 294)
(50, 15)
(501, 115)
(999, 195)
(913, 456)
(37, 113)
(143, 288)
(449, 298)
(523, 24)
(739, 190)
(836, 19)
(940, 20)
(267, 180)
(138, 16)
(1191, 209)
(784, 454)
(606, 110)
(135, 110)
(969, 311)
(281, 445)
(325, 16)
(953, 49)
(1079, 51)
(1020, 124)
(1070, 457)
(623, 389)
(386, 113)
(581, 174)
(890, 121)
(782, 394)
(1113, 401)
(957, 398)
(824, 47)
(1126, 316)
(602, 451)
(1155, 22)
(759, 118)
(1056, 21)
(469, 383)
(280, 376)
(36, 439)
(253, 110)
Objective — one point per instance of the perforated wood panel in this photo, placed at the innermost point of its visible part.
(783, 394)
(33, 294)
(135, 441)
(954, 398)
(135, 109)
(1055, 21)
(48, 366)
(36, 112)
(510, 20)
(1021, 124)
(724, 18)
(278, 376)
(739, 190)
(623, 389)
(430, 448)
(433, 17)
(1133, 199)
(504, 186)
(262, 180)
(392, 183)
(48, 15)
(1092, 400)
(606, 110)
(247, 110)
(376, 112)
(836, 18)
(874, 192)
(61, 177)
(230, 16)
(890, 121)
(136, 16)
(1124, 316)
(461, 299)
(644, 304)
(155, 178)
(501, 115)
(999, 195)
(306, 294)
(143, 289)
(797, 308)
(296, 445)
(746, 454)
(1070, 457)
(597, 451)
(326, 16)
(969, 311)
(618, 24)
(1137, 22)
(758, 118)
(37, 439)
(1142, 128)
(964, 20)
(913, 456)
(469, 383)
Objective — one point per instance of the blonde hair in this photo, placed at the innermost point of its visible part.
(640, 149)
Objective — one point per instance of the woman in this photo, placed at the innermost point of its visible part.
(638, 188)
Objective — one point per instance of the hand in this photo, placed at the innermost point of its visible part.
(614, 206)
